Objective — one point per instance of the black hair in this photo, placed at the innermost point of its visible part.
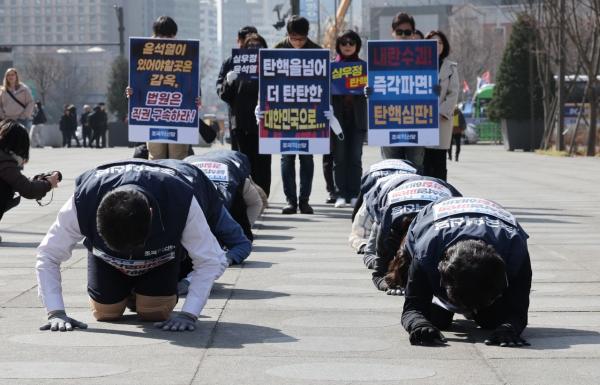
(397, 274)
(297, 25)
(472, 273)
(401, 18)
(14, 138)
(445, 43)
(252, 38)
(123, 219)
(348, 35)
(418, 32)
(245, 31)
(164, 26)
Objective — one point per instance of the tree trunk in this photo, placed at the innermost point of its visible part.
(591, 147)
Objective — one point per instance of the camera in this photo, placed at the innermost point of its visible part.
(48, 174)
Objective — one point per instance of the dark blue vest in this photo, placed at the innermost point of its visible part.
(209, 198)
(221, 170)
(442, 224)
(402, 197)
(169, 196)
(382, 169)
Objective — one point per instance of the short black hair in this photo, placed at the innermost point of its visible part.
(245, 31)
(445, 42)
(123, 219)
(14, 138)
(164, 26)
(419, 33)
(297, 25)
(348, 35)
(473, 274)
(403, 17)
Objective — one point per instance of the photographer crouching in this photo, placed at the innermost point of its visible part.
(14, 153)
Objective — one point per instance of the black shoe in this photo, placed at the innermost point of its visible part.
(332, 198)
(456, 159)
(290, 208)
(305, 208)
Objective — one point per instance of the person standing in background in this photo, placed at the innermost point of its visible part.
(16, 102)
(98, 121)
(86, 130)
(351, 111)
(297, 38)
(458, 128)
(225, 78)
(39, 118)
(241, 95)
(435, 157)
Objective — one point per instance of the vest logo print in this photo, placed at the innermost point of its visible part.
(163, 134)
(135, 267)
(294, 146)
(404, 137)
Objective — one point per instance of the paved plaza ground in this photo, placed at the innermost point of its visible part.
(303, 310)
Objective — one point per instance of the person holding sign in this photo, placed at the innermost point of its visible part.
(161, 113)
(225, 74)
(351, 111)
(403, 28)
(435, 157)
(241, 94)
(468, 256)
(297, 30)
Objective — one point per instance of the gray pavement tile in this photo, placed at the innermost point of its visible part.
(335, 371)
(572, 371)
(303, 310)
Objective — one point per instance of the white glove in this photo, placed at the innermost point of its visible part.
(258, 114)
(231, 76)
(334, 123)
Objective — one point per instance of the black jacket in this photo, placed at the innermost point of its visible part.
(12, 180)
(98, 120)
(436, 228)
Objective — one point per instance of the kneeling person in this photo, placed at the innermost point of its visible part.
(230, 173)
(136, 218)
(468, 256)
(398, 203)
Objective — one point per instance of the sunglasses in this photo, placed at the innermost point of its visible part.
(347, 42)
(403, 32)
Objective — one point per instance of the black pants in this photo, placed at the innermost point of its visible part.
(347, 161)
(260, 163)
(86, 132)
(99, 135)
(434, 163)
(108, 285)
(456, 138)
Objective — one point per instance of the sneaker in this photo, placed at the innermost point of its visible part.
(331, 199)
(305, 208)
(290, 208)
(353, 202)
(340, 202)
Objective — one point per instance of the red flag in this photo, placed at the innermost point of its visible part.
(466, 88)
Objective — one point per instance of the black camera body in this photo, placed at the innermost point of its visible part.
(48, 174)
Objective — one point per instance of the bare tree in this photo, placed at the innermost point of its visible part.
(44, 71)
(475, 49)
(580, 23)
